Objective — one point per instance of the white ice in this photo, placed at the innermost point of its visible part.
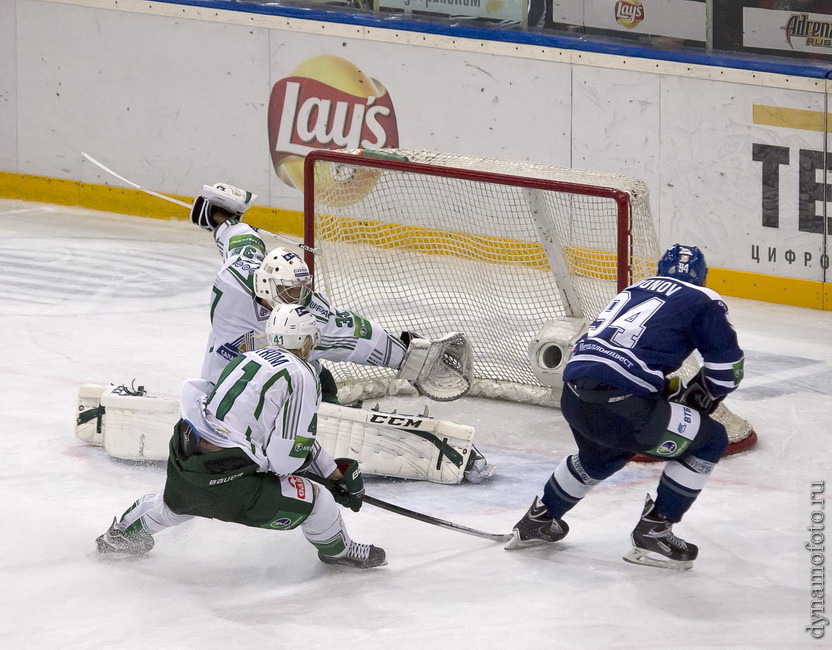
(103, 298)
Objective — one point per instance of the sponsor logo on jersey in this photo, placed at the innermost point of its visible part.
(303, 445)
(667, 448)
(316, 306)
(738, 371)
(686, 417)
(282, 522)
(300, 486)
(243, 265)
(228, 351)
(672, 447)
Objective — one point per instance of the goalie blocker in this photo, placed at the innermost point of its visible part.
(132, 426)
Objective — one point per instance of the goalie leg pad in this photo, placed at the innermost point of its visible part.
(392, 444)
(127, 423)
(89, 421)
(138, 428)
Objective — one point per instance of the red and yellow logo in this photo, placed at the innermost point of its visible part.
(326, 103)
(629, 13)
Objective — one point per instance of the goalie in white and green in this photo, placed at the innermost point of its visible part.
(249, 284)
(240, 451)
(252, 282)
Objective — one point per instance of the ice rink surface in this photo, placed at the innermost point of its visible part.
(102, 298)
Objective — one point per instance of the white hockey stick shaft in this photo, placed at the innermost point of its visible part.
(132, 184)
(103, 167)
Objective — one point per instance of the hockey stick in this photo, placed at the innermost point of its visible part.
(136, 185)
(428, 519)
(434, 521)
(186, 205)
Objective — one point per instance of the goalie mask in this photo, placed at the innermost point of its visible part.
(294, 328)
(230, 200)
(283, 278)
(686, 263)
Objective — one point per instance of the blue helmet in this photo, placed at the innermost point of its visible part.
(686, 263)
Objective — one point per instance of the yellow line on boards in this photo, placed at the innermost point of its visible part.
(739, 284)
(129, 201)
(789, 118)
(771, 288)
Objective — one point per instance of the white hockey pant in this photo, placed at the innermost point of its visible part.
(324, 527)
(153, 513)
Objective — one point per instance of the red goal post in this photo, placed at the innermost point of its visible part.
(434, 242)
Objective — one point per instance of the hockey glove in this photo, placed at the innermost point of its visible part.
(349, 489)
(697, 395)
(673, 388)
(329, 389)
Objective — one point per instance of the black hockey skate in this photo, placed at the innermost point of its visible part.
(536, 527)
(360, 556)
(118, 543)
(654, 543)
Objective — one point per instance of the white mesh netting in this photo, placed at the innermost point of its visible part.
(487, 247)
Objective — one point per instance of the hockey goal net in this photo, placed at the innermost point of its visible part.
(434, 242)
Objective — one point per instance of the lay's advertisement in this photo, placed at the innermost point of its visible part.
(326, 102)
(736, 162)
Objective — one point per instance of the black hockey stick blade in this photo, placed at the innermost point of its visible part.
(434, 521)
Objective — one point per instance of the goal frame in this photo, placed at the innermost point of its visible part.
(624, 254)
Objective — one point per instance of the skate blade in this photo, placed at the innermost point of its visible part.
(119, 556)
(515, 542)
(648, 558)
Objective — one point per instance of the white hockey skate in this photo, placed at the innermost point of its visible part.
(360, 556)
(118, 543)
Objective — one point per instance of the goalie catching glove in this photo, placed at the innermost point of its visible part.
(349, 489)
(442, 369)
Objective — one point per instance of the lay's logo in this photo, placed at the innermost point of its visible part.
(326, 103)
(629, 14)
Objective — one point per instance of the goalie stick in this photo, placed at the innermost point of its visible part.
(171, 199)
(428, 519)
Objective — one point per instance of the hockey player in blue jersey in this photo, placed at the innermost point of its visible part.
(618, 401)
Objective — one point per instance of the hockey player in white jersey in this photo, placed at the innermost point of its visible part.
(240, 451)
(251, 282)
(619, 401)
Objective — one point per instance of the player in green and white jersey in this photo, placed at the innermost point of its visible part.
(241, 449)
(251, 283)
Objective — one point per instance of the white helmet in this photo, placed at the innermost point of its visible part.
(224, 197)
(283, 278)
(293, 327)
